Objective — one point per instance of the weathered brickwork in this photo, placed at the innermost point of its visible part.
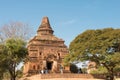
(45, 50)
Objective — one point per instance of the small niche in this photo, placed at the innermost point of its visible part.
(40, 53)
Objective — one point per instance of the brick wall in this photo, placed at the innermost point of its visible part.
(69, 75)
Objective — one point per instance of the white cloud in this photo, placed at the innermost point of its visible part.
(69, 22)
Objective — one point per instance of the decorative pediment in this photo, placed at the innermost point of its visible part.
(51, 57)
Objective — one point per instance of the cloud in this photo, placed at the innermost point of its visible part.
(69, 22)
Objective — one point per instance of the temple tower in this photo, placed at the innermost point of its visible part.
(45, 50)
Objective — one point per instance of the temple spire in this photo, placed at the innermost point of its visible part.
(45, 28)
(45, 20)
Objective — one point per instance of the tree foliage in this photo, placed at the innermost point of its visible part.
(73, 68)
(99, 70)
(13, 37)
(12, 52)
(101, 46)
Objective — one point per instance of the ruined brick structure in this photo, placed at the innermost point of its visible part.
(91, 66)
(45, 50)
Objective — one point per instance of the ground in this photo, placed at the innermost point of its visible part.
(37, 77)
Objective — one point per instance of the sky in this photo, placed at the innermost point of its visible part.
(68, 18)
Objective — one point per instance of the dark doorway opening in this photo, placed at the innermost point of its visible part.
(49, 65)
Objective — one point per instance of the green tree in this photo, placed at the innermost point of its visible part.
(101, 46)
(13, 53)
(100, 70)
(16, 30)
(73, 68)
(2, 61)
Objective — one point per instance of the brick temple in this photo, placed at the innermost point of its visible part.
(45, 51)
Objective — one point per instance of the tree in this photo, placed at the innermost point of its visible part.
(73, 68)
(101, 46)
(15, 30)
(2, 61)
(12, 53)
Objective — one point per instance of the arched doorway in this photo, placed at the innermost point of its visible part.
(49, 65)
(50, 62)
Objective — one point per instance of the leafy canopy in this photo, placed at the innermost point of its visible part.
(12, 53)
(101, 46)
(97, 43)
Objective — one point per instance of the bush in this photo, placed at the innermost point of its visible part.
(100, 70)
(73, 68)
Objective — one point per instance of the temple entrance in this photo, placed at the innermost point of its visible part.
(49, 65)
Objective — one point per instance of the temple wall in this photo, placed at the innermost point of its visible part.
(45, 50)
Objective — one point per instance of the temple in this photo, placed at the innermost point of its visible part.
(45, 51)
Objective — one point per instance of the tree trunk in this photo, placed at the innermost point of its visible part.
(111, 74)
(110, 77)
(1, 76)
(13, 78)
(12, 72)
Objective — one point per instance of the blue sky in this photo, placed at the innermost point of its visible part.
(68, 18)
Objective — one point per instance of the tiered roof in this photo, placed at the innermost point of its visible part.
(45, 32)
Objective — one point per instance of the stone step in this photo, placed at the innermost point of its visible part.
(66, 75)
